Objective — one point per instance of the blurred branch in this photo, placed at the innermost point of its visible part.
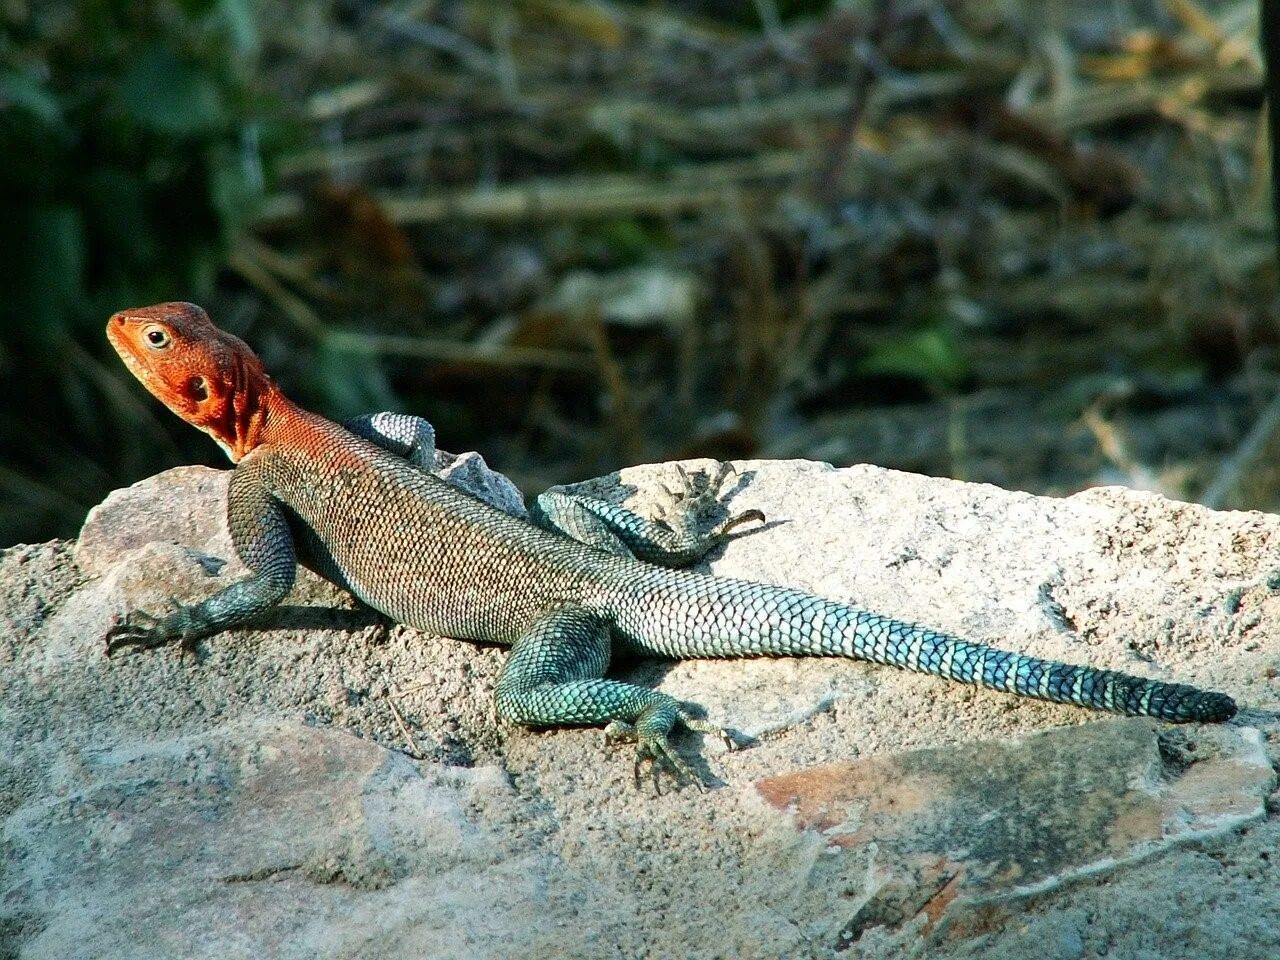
(1234, 467)
(447, 41)
(1107, 103)
(1269, 14)
(253, 269)
(689, 187)
(497, 355)
(241, 259)
(860, 77)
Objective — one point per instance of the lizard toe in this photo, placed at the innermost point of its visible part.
(737, 520)
(138, 629)
(657, 752)
(722, 734)
(618, 732)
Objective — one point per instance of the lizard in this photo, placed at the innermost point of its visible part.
(565, 589)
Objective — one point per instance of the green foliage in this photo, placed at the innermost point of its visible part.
(625, 241)
(128, 160)
(931, 354)
(116, 120)
(165, 94)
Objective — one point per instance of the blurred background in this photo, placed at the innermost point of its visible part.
(1001, 240)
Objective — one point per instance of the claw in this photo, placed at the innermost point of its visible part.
(686, 481)
(662, 758)
(654, 749)
(142, 629)
(725, 470)
(738, 519)
(700, 490)
(139, 628)
(706, 726)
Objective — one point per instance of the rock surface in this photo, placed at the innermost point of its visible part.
(327, 784)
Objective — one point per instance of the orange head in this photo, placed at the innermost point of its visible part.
(206, 376)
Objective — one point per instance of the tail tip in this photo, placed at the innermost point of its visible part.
(1215, 708)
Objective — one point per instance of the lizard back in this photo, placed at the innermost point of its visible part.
(410, 545)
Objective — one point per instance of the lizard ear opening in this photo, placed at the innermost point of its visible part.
(198, 389)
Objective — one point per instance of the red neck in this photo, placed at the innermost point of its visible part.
(258, 413)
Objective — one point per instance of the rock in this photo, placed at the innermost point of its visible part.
(185, 505)
(159, 542)
(255, 833)
(955, 830)
(468, 471)
(267, 796)
(1111, 578)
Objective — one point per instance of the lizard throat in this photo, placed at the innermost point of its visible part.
(241, 423)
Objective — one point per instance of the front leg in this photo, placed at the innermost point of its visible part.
(400, 433)
(414, 439)
(262, 539)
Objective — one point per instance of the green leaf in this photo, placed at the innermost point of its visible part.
(242, 25)
(26, 93)
(232, 190)
(350, 382)
(932, 355)
(47, 271)
(165, 94)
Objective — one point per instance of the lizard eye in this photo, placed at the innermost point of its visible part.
(198, 388)
(157, 337)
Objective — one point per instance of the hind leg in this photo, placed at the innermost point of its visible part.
(555, 677)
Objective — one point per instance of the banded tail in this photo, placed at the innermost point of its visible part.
(721, 617)
(883, 640)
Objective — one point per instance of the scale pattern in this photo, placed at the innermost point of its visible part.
(433, 557)
(428, 555)
(684, 615)
(613, 529)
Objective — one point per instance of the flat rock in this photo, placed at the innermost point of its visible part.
(325, 784)
(1112, 578)
(946, 831)
(184, 506)
(255, 835)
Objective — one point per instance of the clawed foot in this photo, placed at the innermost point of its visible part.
(146, 630)
(699, 492)
(655, 750)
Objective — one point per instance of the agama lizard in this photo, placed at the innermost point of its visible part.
(582, 580)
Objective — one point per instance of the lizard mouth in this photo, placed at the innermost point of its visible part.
(138, 364)
(120, 342)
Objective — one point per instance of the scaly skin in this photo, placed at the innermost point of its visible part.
(425, 554)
